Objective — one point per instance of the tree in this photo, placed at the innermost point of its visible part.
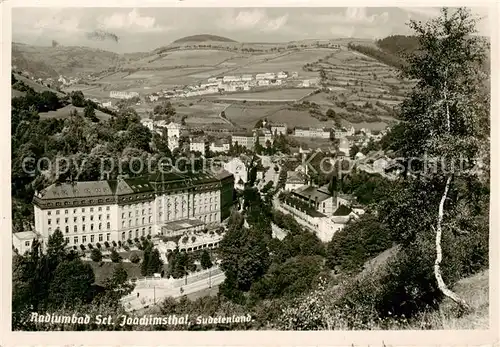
(72, 283)
(89, 112)
(206, 262)
(115, 257)
(96, 255)
(445, 117)
(134, 258)
(77, 98)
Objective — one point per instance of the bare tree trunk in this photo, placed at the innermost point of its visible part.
(439, 254)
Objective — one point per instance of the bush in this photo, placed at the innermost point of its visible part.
(136, 240)
(129, 241)
(82, 247)
(149, 237)
(134, 258)
(114, 244)
(98, 245)
(96, 255)
(115, 257)
(90, 246)
(126, 247)
(106, 244)
(119, 243)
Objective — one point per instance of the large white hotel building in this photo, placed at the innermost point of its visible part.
(128, 208)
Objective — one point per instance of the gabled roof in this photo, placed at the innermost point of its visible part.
(342, 211)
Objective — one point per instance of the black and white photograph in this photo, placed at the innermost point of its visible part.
(195, 168)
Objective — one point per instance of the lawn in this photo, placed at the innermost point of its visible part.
(105, 270)
(269, 95)
(247, 115)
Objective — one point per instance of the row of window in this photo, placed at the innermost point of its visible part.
(75, 210)
(136, 213)
(137, 221)
(75, 219)
(130, 234)
(84, 229)
(91, 239)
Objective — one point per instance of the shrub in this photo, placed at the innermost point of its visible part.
(119, 243)
(98, 245)
(129, 241)
(96, 255)
(114, 244)
(106, 244)
(115, 257)
(90, 246)
(82, 247)
(136, 240)
(149, 237)
(134, 258)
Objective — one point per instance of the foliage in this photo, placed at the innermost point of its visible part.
(206, 262)
(96, 255)
(115, 257)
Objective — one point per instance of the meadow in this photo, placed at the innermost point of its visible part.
(276, 95)
(64, 112)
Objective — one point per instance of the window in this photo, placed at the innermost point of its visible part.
(130, 234)
(75, 229)
(100, 216)
(57, 211)
(75, 240)
(136, 221)
(83, 228)
(67, 239)
(66, 229)
(65, 211)
(83, 210)
(149, 231)
(149, 210)
(57, 220)
(130, 223)
(149, 219)
(83, 219)
(108, 225)
(50, 229)
(99, 209)
(74, 210)
(91, 209)
(91, 217)
(136, 212)
(123, 235)
(143, 231)
(65, 220)
(130, 214)
(75, 219)
(84, 239)
(100, 226)
(49, 221)
(92, 238)
(108, 236)
(49, 213)
(123, 215)
(123, 224)
(107, 208)
(91, 226)
(107, 216)
(27, 243)
(100, 237)
(142, 220)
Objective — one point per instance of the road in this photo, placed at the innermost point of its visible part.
(152, 296)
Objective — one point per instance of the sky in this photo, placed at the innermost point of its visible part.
(146, 28)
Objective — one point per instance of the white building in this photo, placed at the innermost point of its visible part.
(282, 75)
(246, 78)
(153, 98)
(277, 129)
(22, 241)
(123, 95)
(246, 140)
(219, 146)
(344, 146)
(324, 133)
(199, 145)
(148, 123)
(174, 129)
(294, 180)
(107, 104)
(239, 170)
(118, 210)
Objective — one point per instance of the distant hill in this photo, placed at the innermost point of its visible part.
(203, 38)
(62, 60)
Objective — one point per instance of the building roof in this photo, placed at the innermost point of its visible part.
(342, 211)
(294, 177)
(312, 193)
(25, 235)
(182, 224)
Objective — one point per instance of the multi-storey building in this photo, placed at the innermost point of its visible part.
(199, 145)
(117, 210)
(243, 139)
(277, 129)
(324, 133)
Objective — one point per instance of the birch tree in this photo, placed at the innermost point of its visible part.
(446, 120)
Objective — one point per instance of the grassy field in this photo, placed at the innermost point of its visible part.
(247, 115)
(280, 95)
(63, 113)
(105, 270)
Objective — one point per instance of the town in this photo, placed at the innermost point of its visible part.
(299, 185)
